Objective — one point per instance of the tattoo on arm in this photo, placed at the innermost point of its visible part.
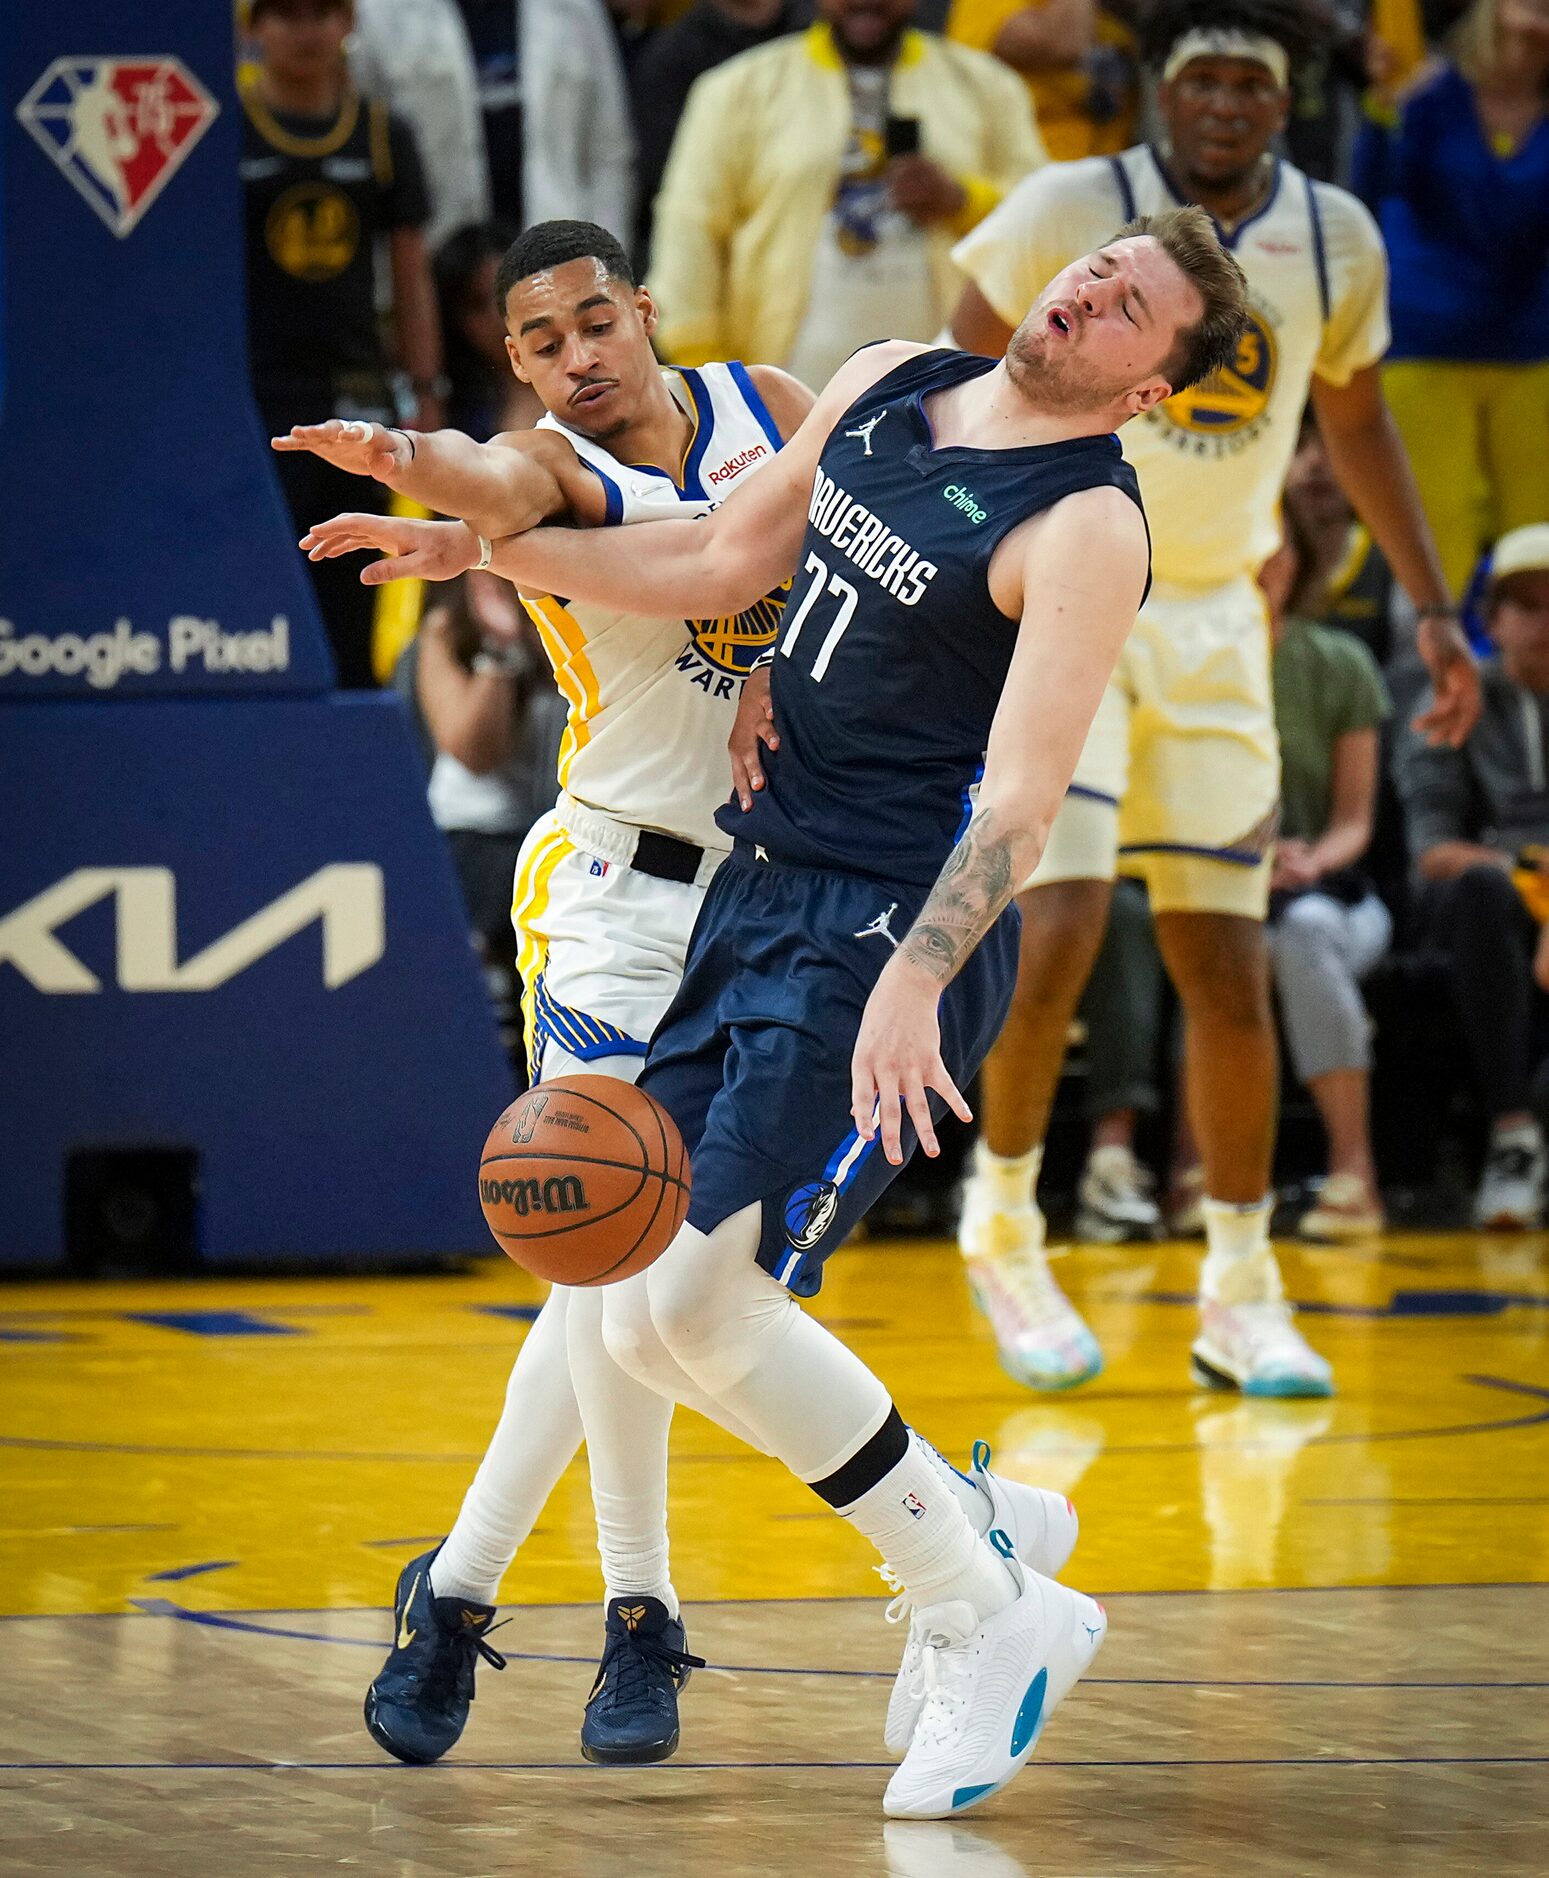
(971, 892)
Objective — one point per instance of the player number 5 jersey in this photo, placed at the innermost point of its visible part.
(652, 700)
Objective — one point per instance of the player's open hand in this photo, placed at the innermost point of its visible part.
(1455, 697)
(416, 550)
(753, 725)
(897, 1061)
(360, 449)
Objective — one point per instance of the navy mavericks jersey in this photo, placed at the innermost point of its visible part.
(892, 654)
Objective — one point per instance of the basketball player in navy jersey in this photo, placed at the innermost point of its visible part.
(970, 554)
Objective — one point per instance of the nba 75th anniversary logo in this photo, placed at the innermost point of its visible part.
(118, 128)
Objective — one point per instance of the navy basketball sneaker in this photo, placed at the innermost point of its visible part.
(418, 1704)
(632, 1711)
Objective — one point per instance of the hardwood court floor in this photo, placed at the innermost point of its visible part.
(1330, 1622)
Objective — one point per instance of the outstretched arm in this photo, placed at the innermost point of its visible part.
(1082, 576)
(720, 563)
(514, 482)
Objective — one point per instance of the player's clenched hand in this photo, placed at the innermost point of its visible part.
(753, 725)
(897, 1061)
(1455, 695)
(361, 449)
(418, 550)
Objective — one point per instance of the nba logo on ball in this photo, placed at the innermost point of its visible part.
(809, 1212)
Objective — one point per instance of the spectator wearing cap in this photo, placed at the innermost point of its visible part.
(1478, 824)
(817, 184)
(1457, 172)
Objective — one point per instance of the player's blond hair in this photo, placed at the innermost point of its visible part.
(1210, 344)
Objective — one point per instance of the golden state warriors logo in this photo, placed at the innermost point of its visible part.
(313, 231)
(732, 644)
(1230, 400)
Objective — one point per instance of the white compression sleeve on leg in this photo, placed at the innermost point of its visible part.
(626, 1450)
(533, 1443)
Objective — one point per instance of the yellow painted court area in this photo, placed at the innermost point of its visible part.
(268, 1452)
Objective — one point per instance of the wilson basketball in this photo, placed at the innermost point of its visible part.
(584, 1180)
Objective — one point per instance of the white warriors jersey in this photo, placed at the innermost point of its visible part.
(652, 700)
(1212, 460)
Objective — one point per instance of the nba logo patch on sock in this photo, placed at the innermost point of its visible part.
(914, 1506)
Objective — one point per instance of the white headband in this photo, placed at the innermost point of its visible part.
(1220, 42)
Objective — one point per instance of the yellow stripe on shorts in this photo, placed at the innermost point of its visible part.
(530, 899)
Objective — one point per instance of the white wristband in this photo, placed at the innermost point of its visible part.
(486, 551)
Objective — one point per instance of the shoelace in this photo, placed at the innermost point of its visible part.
(941, 1682)
(451, 1669)
(633, 1659)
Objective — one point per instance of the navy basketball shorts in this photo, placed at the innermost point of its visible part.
(752, 1059)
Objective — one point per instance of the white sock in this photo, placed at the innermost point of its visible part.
(913, 1518)
(1239, 1266)
(974, 1502)
(632, 1542)
(534, 1442)
(1006, 1182)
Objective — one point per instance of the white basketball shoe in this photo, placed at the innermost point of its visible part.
(1248, 1340)
(1039, 1335)
(987, 1692)
(1038, 1527)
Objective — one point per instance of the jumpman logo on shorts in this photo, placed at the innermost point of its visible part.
(879, 928)
(864, 431)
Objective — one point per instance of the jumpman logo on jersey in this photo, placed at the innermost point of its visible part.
(864, 431)
(879, 928)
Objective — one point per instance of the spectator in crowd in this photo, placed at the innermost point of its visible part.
(1356, 590)
(707, 35)
(479, 688)
(484, 396)
(817, 184)
(1080, 62)
(556, 111)
(1457, 172)
(1478, 821)
(414, 55)
(328, 176)
(1327, 927)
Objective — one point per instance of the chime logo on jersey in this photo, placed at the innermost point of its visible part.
(1228, 402)
(809, 1212)
(119, 129)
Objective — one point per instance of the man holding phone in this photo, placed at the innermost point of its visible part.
(816, 186)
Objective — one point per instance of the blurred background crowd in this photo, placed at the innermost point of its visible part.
(791, 177)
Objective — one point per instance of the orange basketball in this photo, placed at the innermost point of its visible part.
(584, 1180)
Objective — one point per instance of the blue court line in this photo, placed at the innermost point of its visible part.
(524, 1313)
(1403, 1303)
(399, 1771)
(215, 1620)
(190, 1571)
(424, 1538)
(37, 1336)
(864, 1598)
(213, 1323)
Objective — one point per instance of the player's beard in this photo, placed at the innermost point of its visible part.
(1054, 381)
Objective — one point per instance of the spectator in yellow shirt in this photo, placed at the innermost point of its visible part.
(817, 184)
(1080, 61)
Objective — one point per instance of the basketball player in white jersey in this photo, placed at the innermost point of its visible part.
(1181, 775)
(607, 890)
